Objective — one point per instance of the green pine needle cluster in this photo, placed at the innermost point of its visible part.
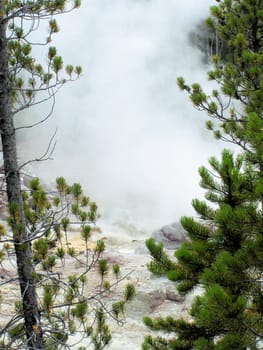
(224, 253)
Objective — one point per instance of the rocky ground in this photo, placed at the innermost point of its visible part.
(155, 296)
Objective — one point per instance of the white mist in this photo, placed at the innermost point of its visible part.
(125, 131)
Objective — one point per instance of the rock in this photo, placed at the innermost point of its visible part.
(145, 303)
(170, 235)
(174, 296)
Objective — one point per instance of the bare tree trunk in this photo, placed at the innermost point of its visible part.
(22, 246)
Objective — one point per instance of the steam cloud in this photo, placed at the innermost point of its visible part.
(125, 131)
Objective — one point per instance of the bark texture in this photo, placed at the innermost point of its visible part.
(22, 245)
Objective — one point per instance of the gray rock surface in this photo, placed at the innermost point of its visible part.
(170, 235)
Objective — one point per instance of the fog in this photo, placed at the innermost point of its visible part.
(125, 131)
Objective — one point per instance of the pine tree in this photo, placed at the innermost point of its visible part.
(68, 305)
(224, 255)
(52, 306)
(20, 80)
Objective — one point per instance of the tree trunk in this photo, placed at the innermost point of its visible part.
(23, 250)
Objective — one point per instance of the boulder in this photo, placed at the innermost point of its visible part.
(145, 303)
(173, 295)
(170, 235)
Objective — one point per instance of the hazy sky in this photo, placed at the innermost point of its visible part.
(124, 129)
